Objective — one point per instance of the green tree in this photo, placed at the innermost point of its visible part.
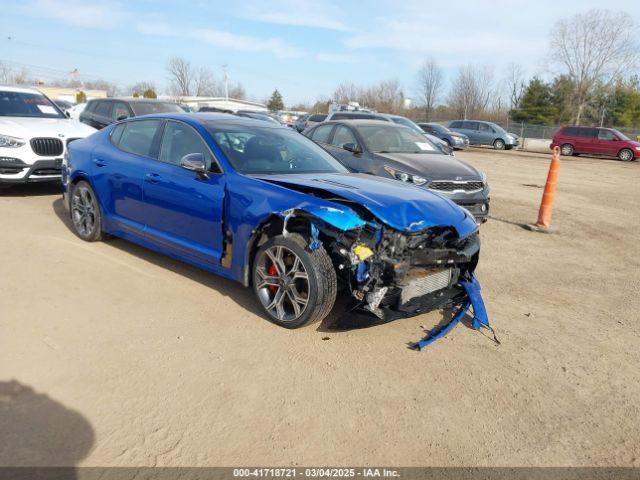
(149, 93)
(536, 105)
(135, 95)
(275, 103)
(81, 97)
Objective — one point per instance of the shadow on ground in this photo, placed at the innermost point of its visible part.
(31, 189)
(38, 431)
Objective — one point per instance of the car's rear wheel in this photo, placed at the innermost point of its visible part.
(85, 212)
(499, 144)
(625, 155)
(295, 285)
(567, 150)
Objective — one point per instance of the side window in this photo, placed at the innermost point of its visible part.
(470, 125)
(317, 118)
(339, 116)
(569, 132)
(120, 110)
(90, 106)
(483, 127)
(137, 137)
(343, 135)
(103, 109)
(321, 134)
(116, 133)
(455, 125)
(605, 135)
(179, 140)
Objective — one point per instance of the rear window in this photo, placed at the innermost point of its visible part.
(146, 108)
(136, 137)
(317, 118)
(580, 132)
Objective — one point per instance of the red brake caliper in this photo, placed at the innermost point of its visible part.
(272, 271)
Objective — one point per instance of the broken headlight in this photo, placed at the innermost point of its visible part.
(404, 176)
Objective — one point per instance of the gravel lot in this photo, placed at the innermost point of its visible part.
(112, 355)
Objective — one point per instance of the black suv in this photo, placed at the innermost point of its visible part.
(104, 111)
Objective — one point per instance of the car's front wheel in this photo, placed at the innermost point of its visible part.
(625, 155)
(85, 212)
(499, 144)
(294, 284)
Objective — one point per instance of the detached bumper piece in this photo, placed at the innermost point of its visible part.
(472, 299)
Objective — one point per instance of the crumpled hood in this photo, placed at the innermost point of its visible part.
(430, 166)
(403, 207)
(31, 127)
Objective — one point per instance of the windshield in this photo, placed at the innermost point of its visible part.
(21, 104)
(385, 138)
(621, 135)
(272, 151)
(145, 108)
(439, 128)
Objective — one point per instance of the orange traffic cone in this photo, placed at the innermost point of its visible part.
(546, 205)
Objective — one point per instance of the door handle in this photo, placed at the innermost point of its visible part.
(99, 162)
(152, 178)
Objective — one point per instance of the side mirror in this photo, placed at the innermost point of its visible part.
(122, 117)
(351, 147)
(195, 162)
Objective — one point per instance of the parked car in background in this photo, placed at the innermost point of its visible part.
(264, 116)
(456, 140)
(75, 111)
(485, 133)
(213, 110)
(34, 135)
(267, 207)
(394, 151)
(314, 119)
(301, 123)
(104, 111)
(596, 141)
(384, 117)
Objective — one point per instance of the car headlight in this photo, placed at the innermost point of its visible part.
(637, 148)
(11, 142)
(405, 177)
(484, 177)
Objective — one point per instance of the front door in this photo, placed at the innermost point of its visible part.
(184, 211)
(608, 142)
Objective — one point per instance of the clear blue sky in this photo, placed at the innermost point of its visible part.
(304, 48)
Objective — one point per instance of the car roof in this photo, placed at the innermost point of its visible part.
(7, 88)
(363, 122)
(219, 118)
(134, 100)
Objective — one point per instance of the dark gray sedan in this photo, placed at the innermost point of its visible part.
(391, 150)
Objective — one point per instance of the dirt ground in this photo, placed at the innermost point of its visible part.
(112, 355)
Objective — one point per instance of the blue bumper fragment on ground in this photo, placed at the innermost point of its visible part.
(473, 299)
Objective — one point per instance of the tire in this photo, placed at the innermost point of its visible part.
(626, 155)
(85, 212)
(567, 150)
(314, 295)
(499, 144)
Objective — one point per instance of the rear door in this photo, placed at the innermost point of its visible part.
(183, 212)
(118, 170)
(471, 130)
(586, 140)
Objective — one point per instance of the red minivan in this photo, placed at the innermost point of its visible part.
(596, 141)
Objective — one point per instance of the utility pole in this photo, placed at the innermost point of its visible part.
(226, 82)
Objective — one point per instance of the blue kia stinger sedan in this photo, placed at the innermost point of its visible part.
(267, 207)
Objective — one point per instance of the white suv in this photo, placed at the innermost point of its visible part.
(34, 134)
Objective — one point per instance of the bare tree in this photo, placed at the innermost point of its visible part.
(594, 47)
(205, 83)
(237, 91)
(471, 91)
(430, 83)
(515, 84)
(180, 76)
